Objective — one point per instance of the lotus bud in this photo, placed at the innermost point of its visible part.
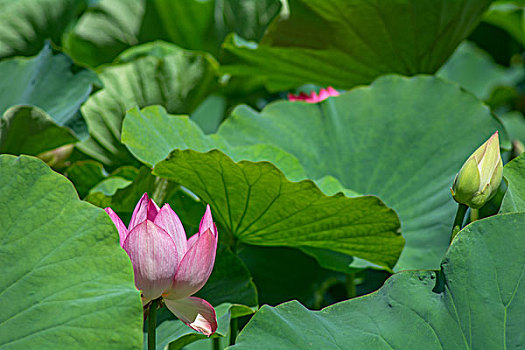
(479, 178)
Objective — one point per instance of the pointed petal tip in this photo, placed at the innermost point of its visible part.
(168, 220)
(195, 267)
(144, 197)
(206, 221)
(121, 228)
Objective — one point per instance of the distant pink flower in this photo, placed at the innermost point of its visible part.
(313, 97)
(168, 265)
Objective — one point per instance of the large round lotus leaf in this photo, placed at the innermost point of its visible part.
(349, 42)
(403, 139)
(253, 199)
(66, 283)
(476, 302)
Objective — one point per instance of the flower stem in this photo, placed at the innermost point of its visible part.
(233, 330)
(152, 325)
(458, 221)
(474, 214)
(161, 189)
(216, 345)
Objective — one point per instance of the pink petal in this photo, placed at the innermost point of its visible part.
(122, 230)
(312, 98)
(207, 222)
(170, 222)
(153, 210)
(301, 97)
(154, 258)
(145, 209)
(332, 92)
(323, 95)
(292, 97)
(192, 240)
(195, 268)
(195, 312)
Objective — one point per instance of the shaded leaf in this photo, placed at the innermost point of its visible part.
(476, 71)
(282, 273)
(175, 78)
(346, 43)
(51, 82)
(112, 26)
(25, 25)
(85, 175)
(510, 16)
(30, 130)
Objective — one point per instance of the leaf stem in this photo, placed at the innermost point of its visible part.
(233, 330)
(350, 285)
(458, 221)
(152, 325)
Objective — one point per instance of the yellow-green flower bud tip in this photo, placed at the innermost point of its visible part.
(480, 176)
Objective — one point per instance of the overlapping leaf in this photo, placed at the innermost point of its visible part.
(156, 73)
(476, 303)
(26, 24)
(477, 72)
(510, 16)
(253, 199)
(66, 281)
(345, 43)
(403, 139)
(112, 26)
(514, 172)
(51, 82)
(30, 130)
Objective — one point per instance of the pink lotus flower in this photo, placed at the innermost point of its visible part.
(313, 97)
(168, 265)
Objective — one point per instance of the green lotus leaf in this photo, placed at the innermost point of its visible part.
(403, 139)
(253, 199)
(476, 71)
(30, 130)
(25, 25)
(155, 73)
(509, 15)
(344, 43)
(51, 82)
(514, 173)
(112, 26)
(66, 281)
(474, 302)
